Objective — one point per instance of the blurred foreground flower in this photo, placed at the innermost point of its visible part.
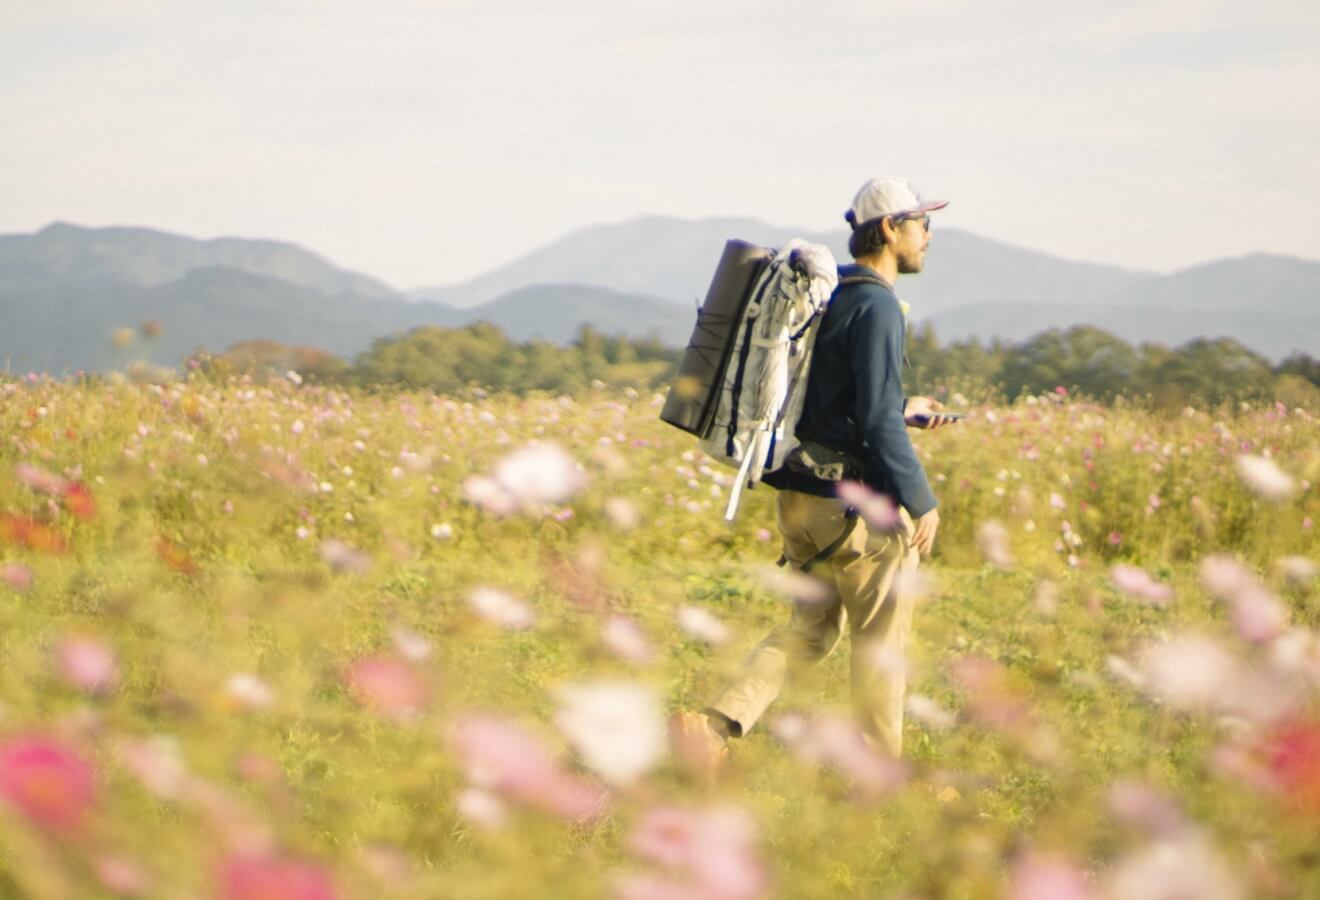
(793, 583)
(709, 854)
(1177, 869)
(17, 576)
(1293, 760)
(1264, 478)
(505, 757)
(835, 740)
(156, 763)
(877, 510)
(1189, 672)
(626, 638)
(702, 625)
(1138, 583)
(249, 691)
(615, 726)
(992, 538)
(501, 609)
(261, 877)
(388, 686)
(1258, 616)
(995, 703)
(1039, 876)
(47, 782)
(86, 664)
(30, 533)
(526, 481)
(343, 558)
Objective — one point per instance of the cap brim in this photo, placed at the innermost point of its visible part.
(929, 206)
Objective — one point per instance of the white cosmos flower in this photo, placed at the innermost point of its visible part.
(501, 609)
(793, 583)
(617, 727)
(929, 713)
(702, 625)
(542, 473)
(250, 691)
(1190, 672)
(1264, 478)
(992, 538)
(626, 638)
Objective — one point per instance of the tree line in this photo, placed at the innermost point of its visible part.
(1084, 359)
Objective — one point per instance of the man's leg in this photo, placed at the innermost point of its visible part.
(882, 621)
(810, 636)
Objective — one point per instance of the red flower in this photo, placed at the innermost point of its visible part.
(1293, 757)
(47, 782)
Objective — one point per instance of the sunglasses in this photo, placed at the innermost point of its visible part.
(923, 219)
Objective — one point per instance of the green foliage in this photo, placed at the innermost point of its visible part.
(450, 360)
(1101, 366)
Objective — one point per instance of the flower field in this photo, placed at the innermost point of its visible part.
(281, 641)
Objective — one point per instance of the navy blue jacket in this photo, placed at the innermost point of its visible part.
(855, 396)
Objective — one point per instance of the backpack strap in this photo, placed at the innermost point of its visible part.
(850, 524)
(867, 278)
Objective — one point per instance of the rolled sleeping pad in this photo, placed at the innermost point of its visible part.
(696, 386)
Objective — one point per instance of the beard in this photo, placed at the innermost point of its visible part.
(910, 264)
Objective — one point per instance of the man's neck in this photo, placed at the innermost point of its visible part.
(884, 264)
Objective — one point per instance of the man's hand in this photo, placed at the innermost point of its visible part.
(924, 412)
(923, 537)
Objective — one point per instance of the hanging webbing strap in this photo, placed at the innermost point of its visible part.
(850, 523)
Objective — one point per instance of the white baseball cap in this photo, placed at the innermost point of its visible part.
(881, 197)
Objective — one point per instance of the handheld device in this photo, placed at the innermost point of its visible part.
(948, 414)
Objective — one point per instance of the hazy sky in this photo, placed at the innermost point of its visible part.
(424, 142)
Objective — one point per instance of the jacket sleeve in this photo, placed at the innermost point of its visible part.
(877, 338)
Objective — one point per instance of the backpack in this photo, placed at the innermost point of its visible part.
(741, 382)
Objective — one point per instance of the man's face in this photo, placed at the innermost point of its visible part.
(913, 237)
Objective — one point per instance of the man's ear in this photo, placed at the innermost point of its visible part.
(889, 229)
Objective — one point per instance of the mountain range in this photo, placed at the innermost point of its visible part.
(65, 289)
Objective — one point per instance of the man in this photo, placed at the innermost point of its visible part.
(853, 427)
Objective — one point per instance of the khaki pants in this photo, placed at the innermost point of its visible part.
(863, 600)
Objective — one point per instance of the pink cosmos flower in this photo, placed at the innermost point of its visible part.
(121, 877)
(156, 763)
(1224, 576)
(1142, 806)
(388, 686)
(17, 576)
(86, 664)
(1039, 876)
(834, 740)
(1258, 616)
(262, 877)
(878, 510)
(47, 782)
(627, 640)
(39, 479)
(505, 757)
(712, 851)
(1138, 583)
